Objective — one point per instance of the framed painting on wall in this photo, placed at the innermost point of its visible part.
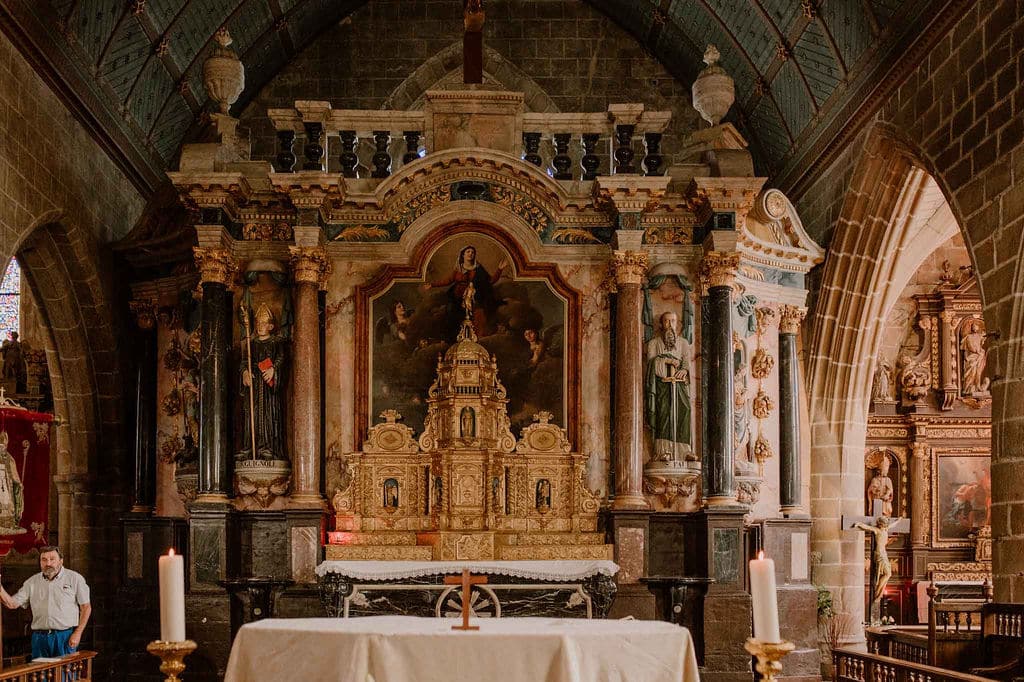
(961, 495)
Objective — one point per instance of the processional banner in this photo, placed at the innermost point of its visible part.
(25, 473)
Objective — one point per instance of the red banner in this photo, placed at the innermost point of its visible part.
(28, 444)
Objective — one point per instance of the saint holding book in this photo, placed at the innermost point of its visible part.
(261, 384)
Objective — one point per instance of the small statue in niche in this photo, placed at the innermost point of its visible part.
(436, 493)
(972, 346)
(881, 390)
(262, 384)
(667, 399)
(467, 423)
(15, 367)
(880, 487)
(391, 494)
(543, 495)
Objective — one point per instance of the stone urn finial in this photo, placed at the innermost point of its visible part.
(714, 90)
(223, 73)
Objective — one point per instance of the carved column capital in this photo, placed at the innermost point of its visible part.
(790, 318)
(629, 267)
(215, 265)
(918, 449)
(310, 264)
(144, 310)
(718, 269)
(767, 316)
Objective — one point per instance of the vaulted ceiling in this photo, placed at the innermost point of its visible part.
(803, 69)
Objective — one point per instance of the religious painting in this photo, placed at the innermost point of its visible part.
(962, 495)
(520, 320)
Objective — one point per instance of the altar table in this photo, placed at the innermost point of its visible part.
(407, 649)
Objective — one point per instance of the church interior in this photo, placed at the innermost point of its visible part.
(326, 323)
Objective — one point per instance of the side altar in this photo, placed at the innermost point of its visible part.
(467, 489)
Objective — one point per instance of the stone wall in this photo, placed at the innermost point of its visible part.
(61, 197)
(562, 53)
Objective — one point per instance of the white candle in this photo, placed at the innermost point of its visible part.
(765, 601)
(172, 597)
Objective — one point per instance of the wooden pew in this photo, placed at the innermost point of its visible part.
(857, 666)
(1002, 646)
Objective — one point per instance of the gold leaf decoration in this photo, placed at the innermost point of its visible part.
(573, 235)
(362, 233)
(762, 364)
(763, 405)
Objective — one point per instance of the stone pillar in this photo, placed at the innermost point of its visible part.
(217, 269)
(718, 273)
(309, 267)
(789, 413)
(919, 480)
(144, 481)
(630, 267)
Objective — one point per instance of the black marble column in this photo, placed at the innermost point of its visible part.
(789, 413)
(718, 272)
(144, 482)
(217, 267)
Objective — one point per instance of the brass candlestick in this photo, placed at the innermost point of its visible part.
(769, 656)
(172, 656)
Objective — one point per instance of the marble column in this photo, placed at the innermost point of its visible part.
(789, 412)
(919, 478)
(144, 482)
(630, 267)
(718, 273)
(309, 266)
(217, 269)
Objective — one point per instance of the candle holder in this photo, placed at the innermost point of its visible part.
(769, 656)
(172, 656)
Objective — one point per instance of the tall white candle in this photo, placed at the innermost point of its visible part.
(765, 601)
(172, 597)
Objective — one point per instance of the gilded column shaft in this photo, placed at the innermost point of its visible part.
(630, 267)
(310, 267)
(789, 412)
(217, 268)
(919, 478)
(718, 271)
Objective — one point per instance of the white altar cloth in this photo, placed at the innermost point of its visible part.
(407, 649)
(558, 571)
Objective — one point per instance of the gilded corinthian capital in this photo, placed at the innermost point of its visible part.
(215, 265)
(629, 267)
(718, 269)
(310, 264)
(790, 319)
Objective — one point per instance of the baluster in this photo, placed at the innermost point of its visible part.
(412, 146)
(314, 152)
(561, 160)
(286, 155)
(624, 149)
(348, 158)
(653, 159)
(590, 161)
(531, 143)
(381, 157)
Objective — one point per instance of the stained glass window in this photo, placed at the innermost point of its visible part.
(10, 298)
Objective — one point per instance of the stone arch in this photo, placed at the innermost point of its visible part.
(891, 206)
(436, 71)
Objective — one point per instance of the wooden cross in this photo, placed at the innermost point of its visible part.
(473, 41)
(880, 570)
(467, 581)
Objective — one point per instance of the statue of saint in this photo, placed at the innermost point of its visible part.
(880, 487)
(15, 367)
(262, 384)
(667, 398)
(12, 496)
(881, 569)
(467, 423)
(972, 346)
(881, 391)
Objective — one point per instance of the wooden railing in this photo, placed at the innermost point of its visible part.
(76, 667)
(857, 666)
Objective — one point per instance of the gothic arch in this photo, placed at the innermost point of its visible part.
(891, 206)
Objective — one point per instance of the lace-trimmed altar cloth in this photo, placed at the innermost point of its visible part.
(403, 648)
(553, 571)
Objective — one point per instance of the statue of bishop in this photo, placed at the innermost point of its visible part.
(262, 385)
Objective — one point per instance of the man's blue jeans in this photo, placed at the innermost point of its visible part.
(51, 643)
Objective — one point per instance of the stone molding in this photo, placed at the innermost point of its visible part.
(723, 195)
(718, 269)
(310, 264)
(629, 267)
(790, 318)
(626, 194)
(215, 265)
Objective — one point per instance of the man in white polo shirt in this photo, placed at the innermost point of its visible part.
(60, 605)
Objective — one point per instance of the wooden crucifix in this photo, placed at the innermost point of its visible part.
(467, 581)
(880, 527)
(473, 41)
